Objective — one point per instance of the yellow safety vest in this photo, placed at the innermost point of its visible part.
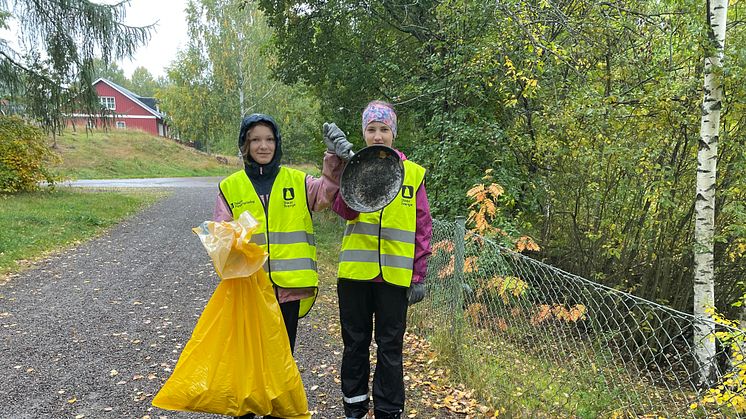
(382, 242)
(286, 233)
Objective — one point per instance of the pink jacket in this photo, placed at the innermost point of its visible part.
(320, 194)
(422, 235)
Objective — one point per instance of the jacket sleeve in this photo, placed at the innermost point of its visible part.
(422, 236)
(320, 192)
(221, 211)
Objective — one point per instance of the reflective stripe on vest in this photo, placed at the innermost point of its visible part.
(287, 233)
(382, 242)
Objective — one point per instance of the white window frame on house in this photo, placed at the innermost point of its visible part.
(108, 102)
(121, 124)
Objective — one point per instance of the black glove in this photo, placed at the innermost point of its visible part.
(416, 292)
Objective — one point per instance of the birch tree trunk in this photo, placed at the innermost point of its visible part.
(704, 227)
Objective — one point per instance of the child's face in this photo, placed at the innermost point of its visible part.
(261, 144)
(378, 133)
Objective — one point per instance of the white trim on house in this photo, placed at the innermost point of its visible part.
(134, 99)
(85, 115)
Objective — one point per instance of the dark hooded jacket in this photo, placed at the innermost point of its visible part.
(262, 176)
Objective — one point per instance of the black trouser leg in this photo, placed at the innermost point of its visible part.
(356, 318)
(391, 321)
(290, 316)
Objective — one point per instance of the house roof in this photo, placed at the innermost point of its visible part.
(148, 103)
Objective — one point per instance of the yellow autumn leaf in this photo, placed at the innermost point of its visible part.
(470, 264)
(475, 190)
(496, 190)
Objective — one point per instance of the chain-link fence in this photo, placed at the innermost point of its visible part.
(536, 341)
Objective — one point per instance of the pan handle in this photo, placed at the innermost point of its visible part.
(349, 156)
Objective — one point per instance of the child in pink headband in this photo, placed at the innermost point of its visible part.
(382, 112)
(382, 269)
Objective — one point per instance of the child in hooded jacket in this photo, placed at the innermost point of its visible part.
(383, 262)
(281, 200)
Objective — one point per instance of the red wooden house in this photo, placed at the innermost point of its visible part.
(128, 110)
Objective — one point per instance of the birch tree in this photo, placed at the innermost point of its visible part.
(225, 73)
(704, 226)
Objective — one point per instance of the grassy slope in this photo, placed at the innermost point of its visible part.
(42, 222)
(35, 224)
(133, 154)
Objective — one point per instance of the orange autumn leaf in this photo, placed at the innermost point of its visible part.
(475, 190)
(480, 222)
(559, 312)
(448, 269)
(577, 313)
(502, 324)
(475, 312)
(470, 264)
(443, 245)
(544, 312)
(496, 190)
(490, 207)
(526, 243)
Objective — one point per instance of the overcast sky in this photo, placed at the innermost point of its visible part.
(169, 36)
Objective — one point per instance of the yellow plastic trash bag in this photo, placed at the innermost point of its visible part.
(228, 245)
(238, 359)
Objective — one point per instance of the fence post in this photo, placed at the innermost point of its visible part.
(457, 320)
(458, 254)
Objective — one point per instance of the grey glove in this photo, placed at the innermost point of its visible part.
(343, 148)
(336, 141)
(416, 292)
(327, 130)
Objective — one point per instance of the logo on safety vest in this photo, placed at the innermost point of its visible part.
(407, 192)
(241, 203)
(288, 193)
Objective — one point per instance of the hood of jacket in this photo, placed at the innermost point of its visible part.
(254, 169)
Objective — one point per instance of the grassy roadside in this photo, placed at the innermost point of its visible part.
(35, 224)
(133, 154)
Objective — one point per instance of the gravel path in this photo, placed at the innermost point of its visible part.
(94, 332)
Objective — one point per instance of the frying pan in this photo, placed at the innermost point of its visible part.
(372, 178)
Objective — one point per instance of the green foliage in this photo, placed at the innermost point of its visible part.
(24, 156)
(143, 83)
(61, 40)
(109, 71)
(224, 74)
(588, 112)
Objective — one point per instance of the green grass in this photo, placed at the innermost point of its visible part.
(328, 229)
(133, 154)
(520, 383)
(35, 224)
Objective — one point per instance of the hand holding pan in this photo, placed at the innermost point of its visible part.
(372, 178)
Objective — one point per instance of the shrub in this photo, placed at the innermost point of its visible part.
(24, 156)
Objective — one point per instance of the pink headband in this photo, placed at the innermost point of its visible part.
(377, 112)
